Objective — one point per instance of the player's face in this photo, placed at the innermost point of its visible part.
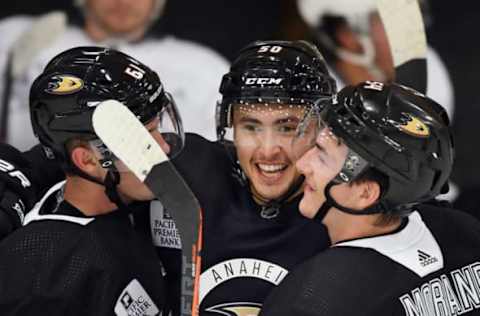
(130, 187)
(320, 165)
(263, 136)
(119, 17)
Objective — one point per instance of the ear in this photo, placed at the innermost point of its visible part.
(84, 159)
(347, 39)
(369, 193)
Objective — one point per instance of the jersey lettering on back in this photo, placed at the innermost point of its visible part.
(453, 294)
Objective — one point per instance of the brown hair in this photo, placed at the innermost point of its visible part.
(374, 175)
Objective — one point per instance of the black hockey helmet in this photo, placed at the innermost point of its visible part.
(64, 96)
(399, 132)
(284, 72)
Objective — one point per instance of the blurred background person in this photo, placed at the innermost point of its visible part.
(189, 70)
(352, 36)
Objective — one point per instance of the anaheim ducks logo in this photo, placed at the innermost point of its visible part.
(236, 309)
(64, 84)
(413, 126)
(243, 270)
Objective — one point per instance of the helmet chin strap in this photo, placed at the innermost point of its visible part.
(111, 181)
(330, 202)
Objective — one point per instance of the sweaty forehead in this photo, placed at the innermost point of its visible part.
(269, 112)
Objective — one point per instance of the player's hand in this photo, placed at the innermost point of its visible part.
(17, 195)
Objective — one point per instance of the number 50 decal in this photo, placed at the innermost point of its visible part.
(271, 49)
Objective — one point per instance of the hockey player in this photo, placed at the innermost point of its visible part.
(79, 253)
(189, 70)
(380, 152)
(247, 183)
(356, 45)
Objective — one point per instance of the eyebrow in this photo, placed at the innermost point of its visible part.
(290, 119)
(248, 119)
(320, 147)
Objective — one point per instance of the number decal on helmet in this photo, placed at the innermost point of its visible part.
(135, 71)
(271, 49)
(373, 85)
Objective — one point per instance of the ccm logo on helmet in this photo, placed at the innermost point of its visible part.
(253, 81)
(10, 170)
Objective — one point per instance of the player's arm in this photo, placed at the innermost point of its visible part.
(45, 172)
(23, 179)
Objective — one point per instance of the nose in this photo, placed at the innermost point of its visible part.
(302, 164)
(270, 144)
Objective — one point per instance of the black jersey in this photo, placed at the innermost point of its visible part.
(63, 263)
(246, 252)
(429, 267)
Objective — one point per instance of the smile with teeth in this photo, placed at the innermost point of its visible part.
(271, 168)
